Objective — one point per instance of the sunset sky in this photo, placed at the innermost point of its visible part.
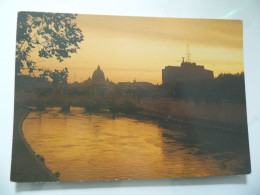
(128, 48)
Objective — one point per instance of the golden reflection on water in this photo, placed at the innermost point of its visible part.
(98, 147)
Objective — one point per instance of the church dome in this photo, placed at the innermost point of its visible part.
(98, 76)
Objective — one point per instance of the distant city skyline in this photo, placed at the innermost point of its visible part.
(138, 48)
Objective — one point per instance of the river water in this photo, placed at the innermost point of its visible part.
(84, 146)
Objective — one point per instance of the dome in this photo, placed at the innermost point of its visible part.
(98, 76)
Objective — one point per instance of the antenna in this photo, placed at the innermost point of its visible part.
(188, 55)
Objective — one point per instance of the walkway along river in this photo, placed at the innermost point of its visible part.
(84, 146)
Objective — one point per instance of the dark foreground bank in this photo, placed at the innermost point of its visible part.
(26, 165)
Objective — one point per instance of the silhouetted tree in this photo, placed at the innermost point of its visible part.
(52, 34)
(225, 87)
(59, 79)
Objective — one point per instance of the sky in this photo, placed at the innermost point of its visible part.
(138, 48)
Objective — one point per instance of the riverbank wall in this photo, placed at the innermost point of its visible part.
(226, 113)
(26, 166)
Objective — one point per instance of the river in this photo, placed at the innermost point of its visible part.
(83, 146)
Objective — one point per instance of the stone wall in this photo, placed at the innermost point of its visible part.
(231, 113)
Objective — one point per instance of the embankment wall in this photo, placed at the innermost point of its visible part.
(231, 113)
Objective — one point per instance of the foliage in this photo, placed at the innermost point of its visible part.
(50, 34)
(225, 87)
(59, 77)
(41, 158)
(57, 174)
(29, 84)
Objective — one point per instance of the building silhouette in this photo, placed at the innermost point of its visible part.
(97, 84)
(136, 88)
(98, 76)
(188, 71)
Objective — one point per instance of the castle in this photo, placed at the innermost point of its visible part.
(187, 72)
